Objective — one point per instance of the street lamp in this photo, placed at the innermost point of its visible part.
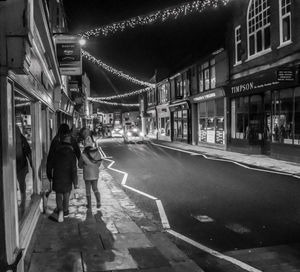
(82, 41)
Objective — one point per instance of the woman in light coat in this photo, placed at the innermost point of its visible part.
(90, 161)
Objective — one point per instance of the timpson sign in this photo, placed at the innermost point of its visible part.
(263, 82)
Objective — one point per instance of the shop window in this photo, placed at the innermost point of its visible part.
(282, 118)
(23, 139)
(285, 21)
(258, 26)
(296, 130)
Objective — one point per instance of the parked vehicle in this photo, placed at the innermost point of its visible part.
(117, 132)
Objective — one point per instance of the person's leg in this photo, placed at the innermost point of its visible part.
(96, 192)
(59, 205)
(21, 176)
(66, 203)
(88, 194)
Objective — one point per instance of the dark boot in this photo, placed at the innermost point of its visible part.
(97, 195)
(89, 202)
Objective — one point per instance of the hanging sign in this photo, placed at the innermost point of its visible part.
(68, 52)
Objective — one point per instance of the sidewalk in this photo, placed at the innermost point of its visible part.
(260, 161)
(117, 238)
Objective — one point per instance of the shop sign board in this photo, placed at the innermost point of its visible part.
(270, 80)
(68, 52)
(286, 75)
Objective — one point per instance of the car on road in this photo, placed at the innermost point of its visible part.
(117, 133)
(133, 135)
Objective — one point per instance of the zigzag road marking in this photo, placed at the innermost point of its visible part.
(166, 225)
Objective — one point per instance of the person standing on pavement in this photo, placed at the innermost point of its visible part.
(64, 174)
(62, 130)
(90, 161)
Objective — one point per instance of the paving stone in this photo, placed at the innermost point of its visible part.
(131, 240)
(107, 260)
(126, 225)
(56, 261)
(148, 257)
(166, 247)
(185, 266)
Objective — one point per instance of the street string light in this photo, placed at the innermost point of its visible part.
(114, 71)
(160, 15)
(113, 103)
(125, 95)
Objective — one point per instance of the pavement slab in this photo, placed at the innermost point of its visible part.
(131, 240)
(56, 261)
(107, 260)
(148, 257)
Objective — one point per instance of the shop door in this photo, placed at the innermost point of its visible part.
(267, 124)
(255, 129)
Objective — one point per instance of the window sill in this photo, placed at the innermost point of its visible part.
(237, 64)
(284, 44)
(260, 54)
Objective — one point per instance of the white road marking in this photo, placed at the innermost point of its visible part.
(203, 218)
(213, 252)
(237, 228)
(166, 225)
(162, 214)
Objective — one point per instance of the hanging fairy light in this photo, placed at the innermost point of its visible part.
(125, 95)
(113, 103)
(160, 15)
(114, 71)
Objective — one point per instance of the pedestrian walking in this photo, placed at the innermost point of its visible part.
(62, 130)
(63, 173)
(90, 162)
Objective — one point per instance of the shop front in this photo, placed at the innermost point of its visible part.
(265, 114)
(180, 121)
(151, 124)
(208, 111)
(164, 125)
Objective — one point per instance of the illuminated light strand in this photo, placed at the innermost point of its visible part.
(112, 70)
(137, 92)
(160, 15)
(113, 103)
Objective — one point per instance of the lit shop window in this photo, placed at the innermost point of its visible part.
(258, 22)
(23, 136)
(285, 21)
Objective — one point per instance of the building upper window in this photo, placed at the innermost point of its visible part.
(179, 87)
(207, 75)
(238, 42)
(258, 26)
(163, 93)
(285, 21)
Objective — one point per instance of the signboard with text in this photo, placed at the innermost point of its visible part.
(68, 52)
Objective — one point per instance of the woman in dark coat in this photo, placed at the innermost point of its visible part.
(62, 130)
(64, 174)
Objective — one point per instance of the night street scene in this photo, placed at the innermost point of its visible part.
(150, 135)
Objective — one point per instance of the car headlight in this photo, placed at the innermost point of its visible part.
(141, 134)
(129, 134)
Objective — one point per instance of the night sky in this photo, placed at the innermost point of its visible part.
(166, 46)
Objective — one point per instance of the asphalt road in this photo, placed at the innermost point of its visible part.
(218, 204)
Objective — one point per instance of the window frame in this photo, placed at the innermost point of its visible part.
(281, 19)
(237, 41)
(254, 18)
